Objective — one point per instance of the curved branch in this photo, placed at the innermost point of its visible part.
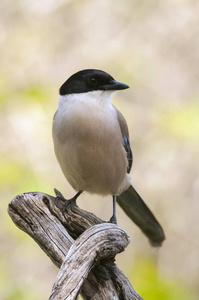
(100, 242)
(40, 215)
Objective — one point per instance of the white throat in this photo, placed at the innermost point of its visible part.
(94, 98)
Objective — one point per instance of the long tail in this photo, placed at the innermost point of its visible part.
(133, 205)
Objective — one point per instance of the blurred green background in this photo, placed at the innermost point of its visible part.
(153, 46)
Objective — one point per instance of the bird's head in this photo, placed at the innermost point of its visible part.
(90, 80)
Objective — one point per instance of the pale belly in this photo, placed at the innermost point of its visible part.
(91, 154)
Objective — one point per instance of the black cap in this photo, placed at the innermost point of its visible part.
(90, 80)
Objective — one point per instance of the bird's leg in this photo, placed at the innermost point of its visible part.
(113, 219)
(71, 201)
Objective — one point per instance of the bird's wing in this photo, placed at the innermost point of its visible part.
(125, 136)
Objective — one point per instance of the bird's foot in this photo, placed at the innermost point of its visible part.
(71, 202)
(59, 195)
(113, 220)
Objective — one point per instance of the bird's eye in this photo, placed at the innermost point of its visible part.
(93, 81)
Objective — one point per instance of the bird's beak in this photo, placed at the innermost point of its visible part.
(114, 85)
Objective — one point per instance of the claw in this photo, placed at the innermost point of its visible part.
(71, 202)
(113, 220)
(59, 195)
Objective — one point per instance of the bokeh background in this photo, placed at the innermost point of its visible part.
(153, 46)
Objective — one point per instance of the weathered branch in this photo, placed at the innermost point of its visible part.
(40, 215)
(91, 247)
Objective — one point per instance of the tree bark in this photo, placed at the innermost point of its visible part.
(88, 266)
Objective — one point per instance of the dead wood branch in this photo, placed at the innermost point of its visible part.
(100, 242)
(40, 215)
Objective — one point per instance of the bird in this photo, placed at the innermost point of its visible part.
(92, 146)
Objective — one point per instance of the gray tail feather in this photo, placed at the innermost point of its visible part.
(133, 205)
